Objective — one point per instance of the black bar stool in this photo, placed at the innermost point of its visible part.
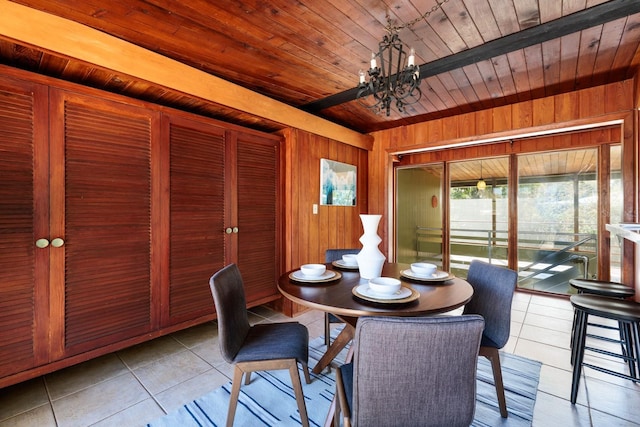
(605, 289)
(627, 314)
(602, 288)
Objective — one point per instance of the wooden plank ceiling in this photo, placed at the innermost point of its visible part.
(306, 53)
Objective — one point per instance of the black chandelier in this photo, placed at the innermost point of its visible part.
(395, 81)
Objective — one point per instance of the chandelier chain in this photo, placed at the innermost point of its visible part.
(395, 28)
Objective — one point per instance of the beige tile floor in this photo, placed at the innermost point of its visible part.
(137, 385)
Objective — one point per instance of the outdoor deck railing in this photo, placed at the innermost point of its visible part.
(539, 252)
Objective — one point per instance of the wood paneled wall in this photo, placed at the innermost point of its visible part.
(580, 107)
(308, 235)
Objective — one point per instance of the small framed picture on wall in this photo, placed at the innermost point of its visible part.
(338, 182)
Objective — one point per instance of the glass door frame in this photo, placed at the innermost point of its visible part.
(502, 148)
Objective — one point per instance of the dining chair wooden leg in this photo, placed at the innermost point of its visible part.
(337, 411)
(342, 412)
(305, 370)
(330, 419)
(493, 355)
(247, 368)
(235, 392)
(297, 388)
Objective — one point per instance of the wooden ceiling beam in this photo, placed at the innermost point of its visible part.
(61, 36)
(575, 22)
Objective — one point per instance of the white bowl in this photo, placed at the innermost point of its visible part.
(313, 270)
(384, 285)
(350, 259)
(423, 269)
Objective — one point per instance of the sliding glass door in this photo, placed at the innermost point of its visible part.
(557, 218)
(554, 208)
(478, 212)
(419, 214)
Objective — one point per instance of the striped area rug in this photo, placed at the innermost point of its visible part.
(269, 399)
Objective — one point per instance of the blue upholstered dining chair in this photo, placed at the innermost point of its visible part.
(331, 255)
(493, 289)
(409, 371)
(260, 347)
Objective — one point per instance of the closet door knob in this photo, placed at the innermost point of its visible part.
(228, 230)
(57, 242)
(235, 230)
(42, 243)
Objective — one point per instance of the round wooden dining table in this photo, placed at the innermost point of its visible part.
(337, 296)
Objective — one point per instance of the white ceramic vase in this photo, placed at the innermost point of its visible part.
(370, 259)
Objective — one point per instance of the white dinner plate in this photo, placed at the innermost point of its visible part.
(341, 264)
(327, 275)
(438, 276)
(366, 291)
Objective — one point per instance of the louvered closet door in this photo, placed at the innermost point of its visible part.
(102, 204)
(257, 194)
(23, 220)
(197, 207)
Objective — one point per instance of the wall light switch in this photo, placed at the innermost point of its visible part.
(315, 209)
